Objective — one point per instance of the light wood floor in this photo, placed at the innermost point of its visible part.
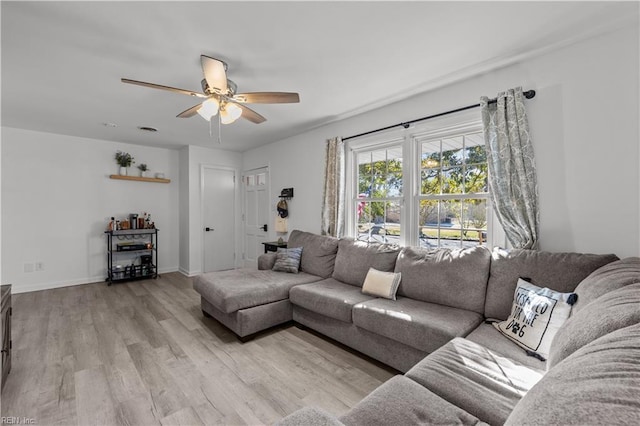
(141, 353)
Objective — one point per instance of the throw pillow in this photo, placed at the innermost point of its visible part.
(536, 315)
(288, 260)
(381, 284)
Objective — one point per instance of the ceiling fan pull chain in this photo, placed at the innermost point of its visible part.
(210, 133)
(219, 129)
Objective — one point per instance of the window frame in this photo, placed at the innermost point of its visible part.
(461, 130)
(410, 139)
(354, 193)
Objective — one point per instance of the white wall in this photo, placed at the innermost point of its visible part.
(196, 157)
(584, 124)
(57, 198)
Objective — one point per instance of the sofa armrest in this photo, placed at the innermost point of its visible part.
(310, 416)
(266, 261)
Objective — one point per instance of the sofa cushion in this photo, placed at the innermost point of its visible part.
(536, 316)
(613, 311)
(456, 278)
(605, 279)
(558, 271)
(422, 325)
(597, 384)
(288, 260)
(328, 297)
(401, 401)
(356, 257)
(237, 289)
(487, 336)
(381, 284)
(318, 254)
(481, 382)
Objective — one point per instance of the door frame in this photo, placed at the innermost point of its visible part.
(235, 218)
(267, 167)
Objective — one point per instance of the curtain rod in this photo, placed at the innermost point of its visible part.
(528, 94)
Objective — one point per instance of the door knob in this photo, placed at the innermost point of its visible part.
(264, 227)
(209, 229)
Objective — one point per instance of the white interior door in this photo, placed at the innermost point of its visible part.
(218, 218)
(256, 213)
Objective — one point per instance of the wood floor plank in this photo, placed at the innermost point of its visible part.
(142, 354)
(94, 403)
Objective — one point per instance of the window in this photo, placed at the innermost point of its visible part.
(379, 194)
(452, 200)
(424, 186)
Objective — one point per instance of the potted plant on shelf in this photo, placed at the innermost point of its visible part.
(143, 170)
(124, 160)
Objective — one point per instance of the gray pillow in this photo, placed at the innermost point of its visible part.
(288, 260)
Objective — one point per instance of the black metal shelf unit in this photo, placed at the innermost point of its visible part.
(132, 254)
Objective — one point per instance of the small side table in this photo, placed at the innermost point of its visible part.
(274, 246)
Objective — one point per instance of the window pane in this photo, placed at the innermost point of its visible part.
(476, 179)
(430, 182)
(452, 153)
(392, 223)
(428, 223)
(262, 179)
(430, 157)
(394, 184)
(452, 180)
(364, 186)
(475, 222)
(474, 152)
(450, 223)
(379, 188)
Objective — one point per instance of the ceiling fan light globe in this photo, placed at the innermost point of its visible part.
(226, 117)
(209, 109)
(234, 110)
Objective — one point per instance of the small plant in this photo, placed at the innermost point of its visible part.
(143, 167)
(124, 159)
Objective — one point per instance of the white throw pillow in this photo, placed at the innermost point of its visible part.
(381, 284)
(536, 315)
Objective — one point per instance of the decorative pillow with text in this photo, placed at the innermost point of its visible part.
(536, 315)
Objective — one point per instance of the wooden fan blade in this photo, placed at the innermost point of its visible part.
(168, 88)
(189, 112)
(267, 98)
(214, 73)
(251, 115)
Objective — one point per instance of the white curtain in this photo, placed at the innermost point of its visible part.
(334, 189)
(512, 171)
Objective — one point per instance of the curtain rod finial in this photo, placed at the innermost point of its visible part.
(529, 94)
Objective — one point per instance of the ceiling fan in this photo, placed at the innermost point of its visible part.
(219, 94)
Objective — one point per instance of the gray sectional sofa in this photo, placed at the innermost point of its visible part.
(458, 368)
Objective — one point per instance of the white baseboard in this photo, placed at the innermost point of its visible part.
(189, 274)
(26, 288)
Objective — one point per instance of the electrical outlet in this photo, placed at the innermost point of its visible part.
(39, 266)
(28, 267)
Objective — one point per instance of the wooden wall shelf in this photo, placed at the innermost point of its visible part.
(140, 179)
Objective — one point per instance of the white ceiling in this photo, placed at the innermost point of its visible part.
(62, 61)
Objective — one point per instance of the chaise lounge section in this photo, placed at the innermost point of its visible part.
(248, 301)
